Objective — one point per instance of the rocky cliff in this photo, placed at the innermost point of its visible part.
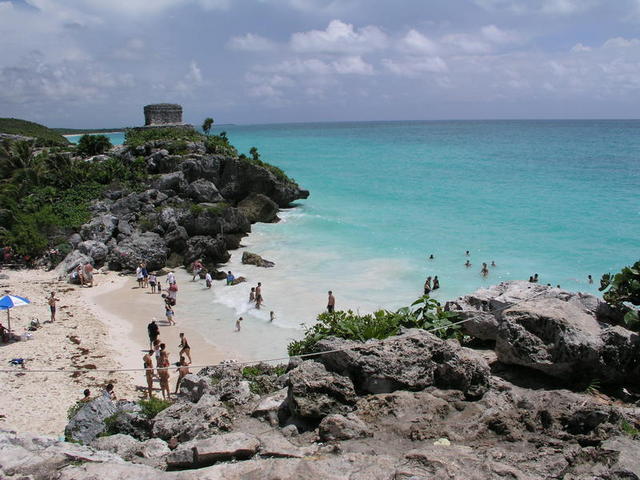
(410, 407)
(194, 205)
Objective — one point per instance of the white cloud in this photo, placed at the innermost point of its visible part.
(496, 35)
(340, 37)
(544, 7)
(415, 67)
(251, 42)
(578, 47)
(620, 42)
(352, 66)
(192, 80)
(133, 49)
(466, 43)
(414, 41)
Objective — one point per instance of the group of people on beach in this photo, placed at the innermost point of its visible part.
(158, 349)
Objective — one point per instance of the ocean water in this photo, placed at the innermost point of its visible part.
(557, 198)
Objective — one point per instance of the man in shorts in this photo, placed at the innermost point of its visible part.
(52, 305)
(331, 302)
(153, 331)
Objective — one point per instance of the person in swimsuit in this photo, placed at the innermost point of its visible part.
(436, 283)
(148, 373)
(431, 257)
(52, 305)
(258, 295)
(467, 264)
(590, 278)
(163, 372)
(145, 275)
(252, 295)
(169, 313)
(87, 396)
(485, 270)
(230, 278)
(238, 324)
(493, 263)
(184, 347)
(156, 352)
(182, 370)
(331, 302)
(427, 286)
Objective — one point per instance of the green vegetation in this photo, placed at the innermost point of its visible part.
(255, 159)
(45, 194)
(216, 209)
(153, 406)
(206, 125)
(80, 131)
(425, 313)
(90, 145)
(73, 409)
(219, 144)
(44, 136)
(622, 290)
(136, 137)
(629, 429)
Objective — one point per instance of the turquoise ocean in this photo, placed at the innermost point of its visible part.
(557, 198)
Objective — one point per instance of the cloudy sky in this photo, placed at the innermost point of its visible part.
(95, 63)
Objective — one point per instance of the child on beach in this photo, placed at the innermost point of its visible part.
(52, 305)
(252, 295)
(238, 324)
(169, 313)
(152, 282)
(208, 279)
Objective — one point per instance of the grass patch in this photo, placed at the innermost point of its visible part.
(276, 171)
(153, 406)
(134, 137)
(629, 429)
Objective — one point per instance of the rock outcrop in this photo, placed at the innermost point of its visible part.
(559, 333)
(249, 258)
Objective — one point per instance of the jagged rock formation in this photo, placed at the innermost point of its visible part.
(195, 205)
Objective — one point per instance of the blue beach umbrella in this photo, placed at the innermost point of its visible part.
(8, 302)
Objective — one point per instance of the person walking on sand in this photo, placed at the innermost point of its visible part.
(331, 302)
(272, 316)
(185, 349)
(169, 313)
(139, 276)
(183, 370)
(485, 270)
(145, 275)
(153, 331)
(171, 278)
(148, 373)
(152, 282)
(208, 280)
(238, 324)
(258, 295)
(52, 305)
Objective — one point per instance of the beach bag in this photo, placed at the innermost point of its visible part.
(173, 287)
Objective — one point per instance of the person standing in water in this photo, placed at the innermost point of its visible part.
(493, 263)
(590, 278)
(238, 324)
(259, 295)
(485, 270)
(208, 280)
(436, 283)
(331, 302)
(467, 264)
(252, 295)
(427, 286)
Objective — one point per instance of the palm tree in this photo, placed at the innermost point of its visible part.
(254, 153)
(206, 125)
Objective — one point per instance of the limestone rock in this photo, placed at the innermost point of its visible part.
(271, 406)
(101, 228)
(209, 249)
(411, 361)
(201, 453)
(153, 448)
(98, 251)
(249, 258)
(185, 420)
(88, 422)
(71, 262)
(123, 445)
(145, 247)
(202, 190)
(274, 444)
(314, 393)
(173, 182)
(338, 427)
(259, 208)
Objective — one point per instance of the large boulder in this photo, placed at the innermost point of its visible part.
(101, 228)
(71, 262)
(198, 167)
(203, 190)
(176, 239)
(209, 249)
(147, 247)
(249, 258)
(98, 251)
(241, 177)
(562, 334)
(186, 420)
(259, 208)
(414, 360)
(88, 422)
(214, 219)
(315, 392)
(340, 427)
(173, 183)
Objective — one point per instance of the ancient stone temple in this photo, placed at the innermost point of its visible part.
(163, 114)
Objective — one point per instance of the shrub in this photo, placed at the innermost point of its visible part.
(622, 290)
(153, 406)
(73, 409)
(137, 137)
(427, 315)
(90, 145)
(277, 172)
(219, 144)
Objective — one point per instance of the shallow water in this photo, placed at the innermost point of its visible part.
(557, 198)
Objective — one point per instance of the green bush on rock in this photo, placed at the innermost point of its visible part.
(622, 290)
(425, 313)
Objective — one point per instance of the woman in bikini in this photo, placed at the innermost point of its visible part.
(185, 348)
(164, 372)
(148, 364)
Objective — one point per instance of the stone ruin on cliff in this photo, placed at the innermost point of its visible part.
(163, 115)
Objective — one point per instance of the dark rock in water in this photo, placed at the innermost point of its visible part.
(315, 392)
(88, 422)
(414, 360)
(259, 208)
(101, 228)
(209, 249)
(242, 177)
(562, 334)
(98, 251)
(203, 190)
(238, 280)
(145, 247)
(186, 420)
(249, 258)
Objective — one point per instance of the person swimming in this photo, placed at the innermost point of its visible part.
(431, 257)
(485, 270)
(436, 283)
(467, 264)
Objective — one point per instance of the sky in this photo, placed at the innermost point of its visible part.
(96, 63)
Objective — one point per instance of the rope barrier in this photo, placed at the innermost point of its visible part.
(269, 360)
